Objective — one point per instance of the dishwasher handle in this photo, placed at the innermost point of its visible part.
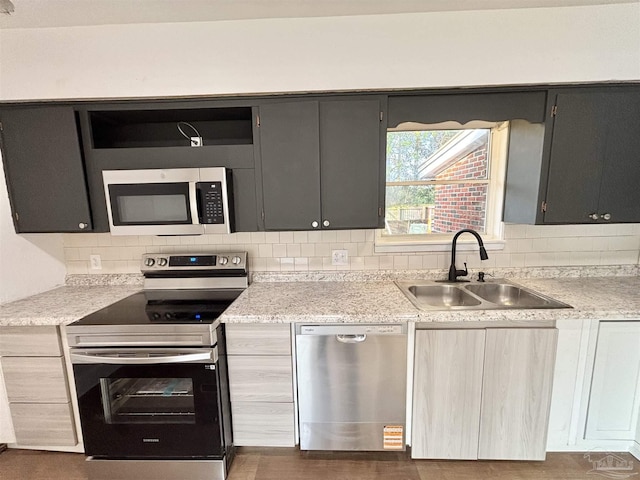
(357, 338)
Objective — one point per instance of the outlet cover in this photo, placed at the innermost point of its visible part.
(96, 262)
(339, 257)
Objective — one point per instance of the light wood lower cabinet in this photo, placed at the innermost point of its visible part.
(516, 393)
(258, 424)
(35, 379)
(614, 400)
(447, 393)
(36, 383)
(43, 424)
(482, 393)
(261, 384)
(260, 378)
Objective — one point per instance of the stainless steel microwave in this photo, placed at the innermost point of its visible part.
(175, 201)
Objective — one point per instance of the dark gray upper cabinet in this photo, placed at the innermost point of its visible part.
(583, 165)
(323, 164)
(153, 135)
(594, 165)
(45, 173)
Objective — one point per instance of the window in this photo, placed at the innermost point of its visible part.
(440, 179)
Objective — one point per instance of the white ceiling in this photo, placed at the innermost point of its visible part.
(66, 13)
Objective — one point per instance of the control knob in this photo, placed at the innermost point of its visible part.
(236, 260)
(162, 262)
(223, 260)
(149, 262)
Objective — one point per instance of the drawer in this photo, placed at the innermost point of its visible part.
(36, 341)
(43, 424)
(35, 379)
(258, 339)
(263, 424)
(260, 379)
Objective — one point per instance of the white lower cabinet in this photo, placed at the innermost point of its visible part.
(614, 400)
(482, 393)
(261, 384)
(36, 385)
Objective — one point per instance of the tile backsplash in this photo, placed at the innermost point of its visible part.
(524, 246)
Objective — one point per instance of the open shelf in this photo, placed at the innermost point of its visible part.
(159, 128)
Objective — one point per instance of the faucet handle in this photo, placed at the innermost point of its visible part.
(462, 273)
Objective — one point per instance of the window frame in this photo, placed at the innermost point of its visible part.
(496, 172)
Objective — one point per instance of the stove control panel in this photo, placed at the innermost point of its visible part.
(161, 262)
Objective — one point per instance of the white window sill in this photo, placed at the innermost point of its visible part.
(436, 246)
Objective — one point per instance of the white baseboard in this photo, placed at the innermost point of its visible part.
(635, 450)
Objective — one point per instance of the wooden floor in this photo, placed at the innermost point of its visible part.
(291, 464)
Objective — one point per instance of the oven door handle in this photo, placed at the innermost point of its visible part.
(113, 358)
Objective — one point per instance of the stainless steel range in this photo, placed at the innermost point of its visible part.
(151, 374)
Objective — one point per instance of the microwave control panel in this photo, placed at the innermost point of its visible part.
(211, 202)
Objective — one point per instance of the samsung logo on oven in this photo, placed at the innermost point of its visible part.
(150, 440)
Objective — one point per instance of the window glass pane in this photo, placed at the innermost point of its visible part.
(408, 209)
(440, 156)
(407, 152)
(435, 208)
(459, 206)
(148, 400)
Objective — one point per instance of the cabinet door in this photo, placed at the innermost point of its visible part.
(258, 338)
(446, 393)
(31, 341)
(577, 152)
(594, 166)
(289, 150)
(43, 424)
(351, 156)
(260, 378)
(516, 393)
(44, 168)
(619, 191)
(262, 424)
(615, 389)
(35, 379)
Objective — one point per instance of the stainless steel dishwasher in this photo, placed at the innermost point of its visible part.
(352, 382)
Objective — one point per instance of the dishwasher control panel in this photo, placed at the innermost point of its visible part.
(355, 329)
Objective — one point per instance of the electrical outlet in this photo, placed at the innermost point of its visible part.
(96, 262)
(196, 141)
(339, 257)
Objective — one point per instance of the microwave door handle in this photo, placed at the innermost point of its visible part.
(159, 359)
(193, 203)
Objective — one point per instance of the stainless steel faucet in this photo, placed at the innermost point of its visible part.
(455, 273)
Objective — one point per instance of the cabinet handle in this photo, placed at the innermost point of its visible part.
(606, 216)
(594, 216)
(314, 224)
(326, 223)
(83, 225)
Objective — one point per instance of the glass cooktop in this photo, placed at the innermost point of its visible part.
(164, 307)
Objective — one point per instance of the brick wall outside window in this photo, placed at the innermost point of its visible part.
(463, 205)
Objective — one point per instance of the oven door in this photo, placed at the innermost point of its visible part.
(149, 403)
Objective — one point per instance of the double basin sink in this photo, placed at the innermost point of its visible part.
(496, 294)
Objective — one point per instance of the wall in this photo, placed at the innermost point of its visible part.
(522, 46)
(29, 264)
(525, 246)
(519, 46)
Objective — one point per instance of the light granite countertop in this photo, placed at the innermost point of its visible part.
(284, 302)
(62, 305)
(365, 302)
(373, 301)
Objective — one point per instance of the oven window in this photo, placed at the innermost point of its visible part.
(148, 400)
